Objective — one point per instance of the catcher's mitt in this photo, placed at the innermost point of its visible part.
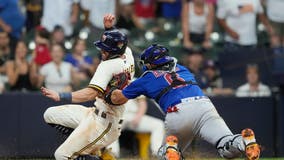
(119, 81)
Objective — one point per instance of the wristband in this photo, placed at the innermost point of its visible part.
(65, 96)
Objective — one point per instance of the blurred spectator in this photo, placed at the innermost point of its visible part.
(4, 57)
(134, 119)
(193, 61)
(60, 12)
(18, 70)
(34, 13)
(82, 63)
(12, 21)
(214, 2)
(214, 80)
(41, 52)
(127, 18)
(253, 87)
(238, 18)
(276, 17)
(97, 9)
(145, 10)
(2, 87)
(4, 50)
(171, 9)
(197, 23)
(57, 74)
(58, 36)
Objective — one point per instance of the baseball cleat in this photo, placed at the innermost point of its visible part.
(252, 149)
(172, 152)
(107, 155)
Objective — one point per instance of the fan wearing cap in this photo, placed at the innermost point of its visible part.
(93, 128)
(214, 86)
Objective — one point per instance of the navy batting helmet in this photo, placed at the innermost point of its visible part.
(112, 41)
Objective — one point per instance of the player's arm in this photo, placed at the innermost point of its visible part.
(132, 91)
(117, 97)
(83, 95)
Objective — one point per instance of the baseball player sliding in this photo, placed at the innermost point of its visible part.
(99, 126)
(189, 112)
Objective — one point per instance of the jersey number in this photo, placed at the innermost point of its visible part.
(169, 79)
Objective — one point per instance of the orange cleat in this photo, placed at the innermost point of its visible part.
(172, 152)
(252, 148)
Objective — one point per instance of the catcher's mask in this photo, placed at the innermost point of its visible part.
(156, 55)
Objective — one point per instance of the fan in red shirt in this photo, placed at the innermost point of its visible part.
(42, 53)
(145, 8)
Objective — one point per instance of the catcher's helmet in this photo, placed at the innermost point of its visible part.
(156, 54)
(112, 41)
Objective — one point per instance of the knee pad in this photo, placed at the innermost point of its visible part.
(230, 146)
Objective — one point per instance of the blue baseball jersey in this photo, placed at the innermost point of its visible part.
(152, 83)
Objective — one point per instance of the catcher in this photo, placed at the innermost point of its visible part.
(97, 127)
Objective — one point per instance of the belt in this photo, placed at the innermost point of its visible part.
(174, 108)
(104, 115)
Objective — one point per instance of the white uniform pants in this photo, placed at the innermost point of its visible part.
(91, 131)
(147, 124)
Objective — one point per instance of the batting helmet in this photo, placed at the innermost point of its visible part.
(156, 54)
(113, 41)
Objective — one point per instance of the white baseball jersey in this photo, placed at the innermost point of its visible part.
(91, 131)
(105, 72)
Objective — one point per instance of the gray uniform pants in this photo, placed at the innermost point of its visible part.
(198, 117)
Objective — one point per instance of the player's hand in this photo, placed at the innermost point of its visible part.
(109, 20)
(50, 94)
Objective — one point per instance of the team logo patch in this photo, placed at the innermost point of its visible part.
(120, 45)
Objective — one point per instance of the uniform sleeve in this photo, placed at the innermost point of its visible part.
(101, 77)
(3, 3)
(134, 90)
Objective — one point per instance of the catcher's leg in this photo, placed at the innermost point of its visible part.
(215, 131)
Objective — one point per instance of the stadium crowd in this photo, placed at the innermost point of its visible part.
(49, 42)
